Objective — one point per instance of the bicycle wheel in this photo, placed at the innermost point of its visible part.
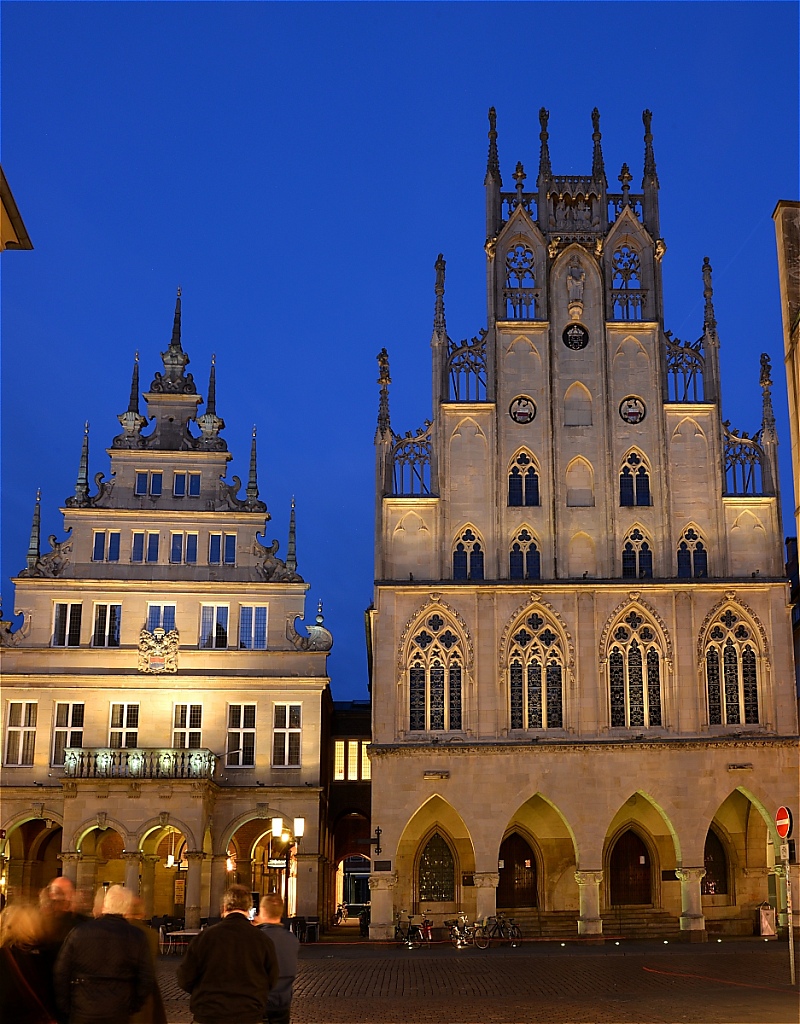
(455, 937)
(481, 937)
(515, 934)
(414, 937)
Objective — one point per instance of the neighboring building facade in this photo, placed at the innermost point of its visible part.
(13, 233)
(160, 709)
(349, 803)
(582, 692)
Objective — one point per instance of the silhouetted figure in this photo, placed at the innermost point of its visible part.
(286, 947)
(26, 988)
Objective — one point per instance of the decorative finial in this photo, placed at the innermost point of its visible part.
(650, 177)
(34, 548)
(709, 320)
(625, 179)
(174, 379)
(768, 431)
(384, 380)
(598, 166)
(291, 547)
(176, 323)
(211, 400)
(81, 499)
(252, 480)
(133, 404)
(519, 176)
(439, 325)
(320, 616)
(493, 161)
(545, 170)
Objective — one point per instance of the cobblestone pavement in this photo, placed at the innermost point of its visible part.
(744, 982)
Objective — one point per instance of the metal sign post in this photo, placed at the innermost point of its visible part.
(783, 824)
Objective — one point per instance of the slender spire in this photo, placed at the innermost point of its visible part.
(252, 481)
(174, 379)
(211, 400)
(291, 547)
(133, 404)
(493, 161)
(709, 320)
(768, 414)
(598, 167)
(176, 323)
(625, 179)
(384, 380)
(82, 483)
(34, 551)
(545, 170)
(439, 324)
(650, 176)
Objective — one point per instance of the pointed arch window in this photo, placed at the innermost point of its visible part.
(692, 555)
(524, 558)
(523, 481)
(435, 677)
(519, 293)
(731, 672)
(635, 664)
(634, 482)
(468, 556)
(536, 675)
(436, 881)
(637, 556)
(627, 294)
(715, 861)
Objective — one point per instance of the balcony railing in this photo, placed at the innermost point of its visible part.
(138, 763)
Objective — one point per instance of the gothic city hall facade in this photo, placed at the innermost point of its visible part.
(584, 708)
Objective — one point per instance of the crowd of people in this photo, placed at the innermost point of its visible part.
(62, 965)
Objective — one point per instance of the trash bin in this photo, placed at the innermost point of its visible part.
(312, 929)
(766, 921)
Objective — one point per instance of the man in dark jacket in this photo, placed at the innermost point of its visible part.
(104, 970)
(230, 967)
(286, 948)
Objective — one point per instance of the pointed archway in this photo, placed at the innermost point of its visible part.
(630, 871)
(518, 885)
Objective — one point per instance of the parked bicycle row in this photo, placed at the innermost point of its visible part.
(462, 932)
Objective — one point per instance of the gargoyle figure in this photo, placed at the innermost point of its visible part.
(55, 561)
(272, 568)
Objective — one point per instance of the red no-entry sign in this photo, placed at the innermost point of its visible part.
(783, 822)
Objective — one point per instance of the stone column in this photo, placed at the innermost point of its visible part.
(86, 878)
(132, 864)
(486, 882)
(589, 922)
(69, 865)
(193, 887)
(149, 861)
(381, 905)
(219, 883)
(307, 884)
(693, 922)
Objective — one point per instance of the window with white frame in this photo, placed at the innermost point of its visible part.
(151, 554)
(124, 729)
(183, 548)
(222, 549)
(105, 546)
(286, 736)
(253, 627)
(151, 483)
(137, 546)
(67, 625)
(67, 729)
(186, 484)
(241, 745)
(350, 761)
(161, 616)
(144, 547)
(21, 732)
(107, 620)
(213, 626)
(187, 726)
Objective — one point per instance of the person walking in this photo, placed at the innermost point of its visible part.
(286, 948)
(26, 987)
(104, 971)
(230, 967)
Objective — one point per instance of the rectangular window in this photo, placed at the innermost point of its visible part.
(156, 483)
(152, 547)
(179, 485)
(186, 483)
(222, 549)
(366, 767)
(191, 549)
(67, 730)
(113, 545)
(141, 484)
(183, 548)
(137, 547)
(67, 625)
(286, 736)
(194, 485)
(338, 760)
(107, 619)
(124, 731)
(215, 549)
(160, 615)
(213, 626)
(21, 732)
(148, 482)
(352, 759)
(187, 726)
(230, 549)
(176, 548)
(99, 546)
(241, 748)
(253, 627)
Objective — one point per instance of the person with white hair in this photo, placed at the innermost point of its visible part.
(104, 971)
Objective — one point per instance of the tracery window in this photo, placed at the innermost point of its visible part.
(692, 555)
(637, 556)
(519, 293)
(468, 556)
(435, 676)
(466, 366)
(686, 366)
(634, 674)
(523, 481)
(437, 872)
(536, 675)
(627, 295)
(731, 672)
(524, 558)
(634, 482)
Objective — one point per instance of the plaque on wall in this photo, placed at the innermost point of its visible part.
(522, 409)
(575, 337)
(632, 409)
(382, 865)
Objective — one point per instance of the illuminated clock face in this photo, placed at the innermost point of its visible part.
(632, 409)
(522, 409)
(575, 337)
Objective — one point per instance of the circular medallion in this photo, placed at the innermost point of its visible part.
(575, 337)
(522, 409)
(632, 409)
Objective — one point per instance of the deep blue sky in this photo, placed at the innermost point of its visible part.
(296, 168)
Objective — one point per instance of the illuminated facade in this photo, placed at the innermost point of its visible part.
(162, 704)
(583, 708)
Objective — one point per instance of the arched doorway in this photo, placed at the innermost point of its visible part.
(715, 861)
(518, 886)
(630, 874)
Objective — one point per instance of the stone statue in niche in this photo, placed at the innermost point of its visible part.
(576, 278)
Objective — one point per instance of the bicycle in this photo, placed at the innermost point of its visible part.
(461, 933)
(497, 928)
(409, 936)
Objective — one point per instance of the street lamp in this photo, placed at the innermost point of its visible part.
(281, 831)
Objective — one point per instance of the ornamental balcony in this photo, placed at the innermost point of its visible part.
(138, 763)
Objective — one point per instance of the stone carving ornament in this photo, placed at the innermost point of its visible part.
(158, 651)
(55, 561)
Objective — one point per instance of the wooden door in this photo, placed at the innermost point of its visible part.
(631, 880)
(517, 886)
